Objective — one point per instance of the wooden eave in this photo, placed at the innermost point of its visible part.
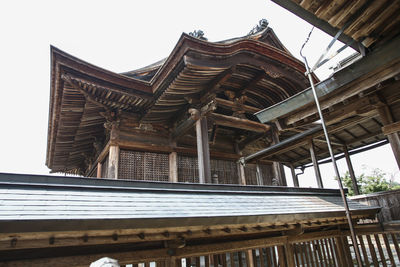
(372, 23)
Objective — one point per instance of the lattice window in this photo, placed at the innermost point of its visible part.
(250, 171)
(136, 165)
(188, 169)
(226, 170)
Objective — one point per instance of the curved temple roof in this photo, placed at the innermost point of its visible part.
(256, 68)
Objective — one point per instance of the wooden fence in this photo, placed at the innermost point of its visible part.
(332, 250)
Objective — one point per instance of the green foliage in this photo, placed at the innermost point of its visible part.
(374, 182)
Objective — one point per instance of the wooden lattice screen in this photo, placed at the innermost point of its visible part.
(263, 178)
(188, 170)
(148, 166)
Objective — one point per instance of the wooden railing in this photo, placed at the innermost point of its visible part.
(330, 248)
(389, 201)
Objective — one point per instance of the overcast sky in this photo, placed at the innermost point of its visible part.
(122, 36)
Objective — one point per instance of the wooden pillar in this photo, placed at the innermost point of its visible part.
(242, 174)
(113, 161)
(99, 167)
(289, 255)
(278, 170)
(351, 171)
(294, 177)
(315, 164)
(249, 258)
(203, 152)
(394, 140)
(173, 167)
(260, 180)
(282, 257)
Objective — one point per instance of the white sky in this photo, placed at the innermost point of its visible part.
(122, 36)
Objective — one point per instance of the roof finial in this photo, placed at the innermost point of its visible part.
(198, 34)
(262, 24)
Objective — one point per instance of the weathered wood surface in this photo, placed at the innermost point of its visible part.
(238, 123)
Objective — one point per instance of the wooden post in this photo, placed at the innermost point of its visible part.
(315, 164)
(249, 258)
(290, 255)
(351, 171)
(113, 160)
(260, 180)
(294, 177)
(203, 152)
(242, 174)
(278, 170)
(282, 256)
(99, 166)
(394, 140)
(173, 167)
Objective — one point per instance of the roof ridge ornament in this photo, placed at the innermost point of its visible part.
(198, 34)
(262, 25)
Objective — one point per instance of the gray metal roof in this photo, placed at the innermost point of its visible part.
(28, 200)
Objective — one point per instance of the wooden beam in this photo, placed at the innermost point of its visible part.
(351, 170)
(315, 164)
(391, 128)
(394, 139)
(238, 123)
(203, 152)
(233, 105)
(376, 67)
(186, 124)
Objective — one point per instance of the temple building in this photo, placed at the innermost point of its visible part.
(187, 118)
(182, 161)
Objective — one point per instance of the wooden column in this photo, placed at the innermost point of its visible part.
(294, 176)
(260, 180)
(289, 250)
(278, 170)
(394, 140)
(203, 152)
(173, 167)
(351, 171)
(242, 174)
(315, 164)
(99, 167)
(113, 160)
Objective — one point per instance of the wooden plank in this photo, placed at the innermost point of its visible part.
(380, 250)
(364, 251)
(302, 254)
(388, 249)
(372, 251)
(203, 152)
(340, 254)
(282, 257)
(396, 245)
(239, 123)
(207, 261)
(346, 248)
(332, 250)
(249, 258)
(232, 259)
(262, 259)
(296, 254)
(274, 256)
(372, 69)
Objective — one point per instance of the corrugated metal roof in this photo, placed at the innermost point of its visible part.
(43, 198)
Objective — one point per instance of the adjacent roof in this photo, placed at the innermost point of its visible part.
(30, 203)
(257, 64)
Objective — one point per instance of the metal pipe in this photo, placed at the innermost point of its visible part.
(283, 143)
(328, 142)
